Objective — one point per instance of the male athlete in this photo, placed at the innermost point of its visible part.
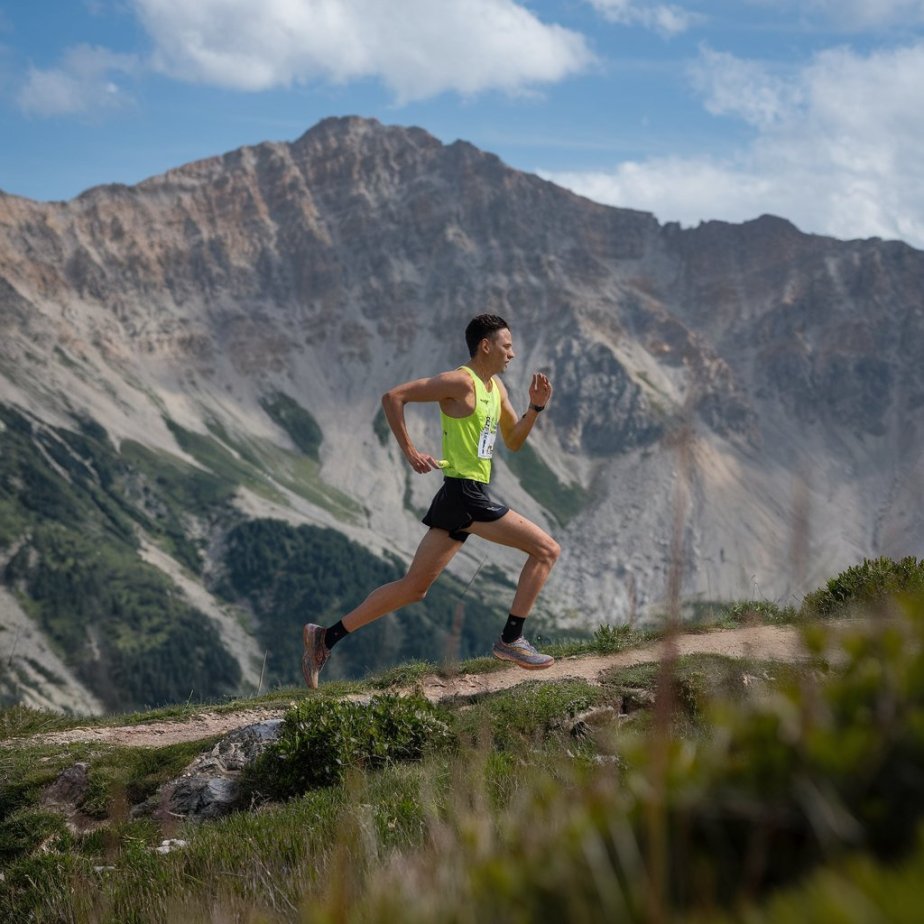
(473, 405)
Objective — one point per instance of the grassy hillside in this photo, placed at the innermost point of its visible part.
(700, 789)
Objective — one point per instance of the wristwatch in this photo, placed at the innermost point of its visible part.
(537, 408)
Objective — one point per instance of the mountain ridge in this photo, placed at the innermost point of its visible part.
(766, 378)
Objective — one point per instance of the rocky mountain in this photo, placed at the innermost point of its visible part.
(190, 373)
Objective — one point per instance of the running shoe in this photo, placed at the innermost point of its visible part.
(522, 654)
(315, 655)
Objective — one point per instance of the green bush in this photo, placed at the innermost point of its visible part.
(870, 583)
(321, 739)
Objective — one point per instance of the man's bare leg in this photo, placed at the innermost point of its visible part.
(514, 530)
(435, 551)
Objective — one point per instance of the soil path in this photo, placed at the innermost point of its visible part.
(771, 643)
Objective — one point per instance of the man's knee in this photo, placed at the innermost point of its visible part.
(416, 588)
(548, 551)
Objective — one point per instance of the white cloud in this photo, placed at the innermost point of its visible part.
(836, 149)
(661, 17)
(417, 48)
(864, 13)
(850, 15)
(748, 89)
(84, 83)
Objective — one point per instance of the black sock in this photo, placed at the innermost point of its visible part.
(514, 628)
(334, 634)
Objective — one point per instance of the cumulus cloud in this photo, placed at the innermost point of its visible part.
(417, 48)
(85, 82)
(835, 148)
(667, 19)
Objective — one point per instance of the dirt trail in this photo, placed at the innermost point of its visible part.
(771, 643)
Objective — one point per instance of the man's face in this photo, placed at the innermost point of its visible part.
(501, 348)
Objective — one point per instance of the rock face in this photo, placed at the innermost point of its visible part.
(767, 381)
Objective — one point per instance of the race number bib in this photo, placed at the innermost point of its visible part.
(486, 440)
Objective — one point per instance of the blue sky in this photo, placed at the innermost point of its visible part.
(694, 109)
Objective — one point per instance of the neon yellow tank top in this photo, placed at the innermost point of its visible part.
(468, 442)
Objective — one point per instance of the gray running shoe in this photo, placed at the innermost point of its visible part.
(315, 655)
(522, 654)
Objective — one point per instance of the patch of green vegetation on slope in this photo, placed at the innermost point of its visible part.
(219, 459)
(561, 500)
(262, 466)
(118, 621)
(169, 492)
(381, 428)
(302, 428)
(301, 475)
(114, 619)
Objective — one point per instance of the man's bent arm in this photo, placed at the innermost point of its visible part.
(514, 430)
(447, 386)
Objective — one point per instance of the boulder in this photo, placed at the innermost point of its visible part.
(210, 786)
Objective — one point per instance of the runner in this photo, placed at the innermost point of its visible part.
(473, 405)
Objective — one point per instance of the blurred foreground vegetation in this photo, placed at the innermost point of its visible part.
(697, 789)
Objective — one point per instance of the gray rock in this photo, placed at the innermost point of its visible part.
(70, 788)
(210, 786)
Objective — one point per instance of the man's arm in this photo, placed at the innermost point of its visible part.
(514, 430)
(448, 386)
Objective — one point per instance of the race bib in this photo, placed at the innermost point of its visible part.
(486, 440)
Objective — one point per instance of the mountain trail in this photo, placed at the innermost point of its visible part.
(771, 643)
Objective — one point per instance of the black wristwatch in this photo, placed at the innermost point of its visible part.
(537, 408)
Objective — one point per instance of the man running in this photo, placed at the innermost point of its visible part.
(473, 404)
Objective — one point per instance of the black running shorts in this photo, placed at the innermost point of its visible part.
(459, 503)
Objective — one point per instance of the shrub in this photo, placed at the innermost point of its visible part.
(870, 583)
(322, 738)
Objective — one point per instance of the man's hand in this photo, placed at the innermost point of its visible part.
(421, 462)
(540, 389)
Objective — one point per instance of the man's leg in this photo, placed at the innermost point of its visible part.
(435, 551)
(513, 529)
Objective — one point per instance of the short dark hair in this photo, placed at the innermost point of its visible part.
(485, 325)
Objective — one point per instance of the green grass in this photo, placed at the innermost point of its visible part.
(723, 615)
(528, 713)
(18, 720)
(524, 821)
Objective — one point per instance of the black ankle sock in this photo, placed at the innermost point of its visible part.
(514, 628)
(333, 634)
